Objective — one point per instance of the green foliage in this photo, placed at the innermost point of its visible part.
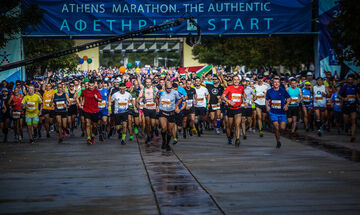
(256, 51)
(12, 22)
(37, 47)
(345, 31)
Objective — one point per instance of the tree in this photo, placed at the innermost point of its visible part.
(12, 22)
(345, 30)
(256, 52)
(37, 47)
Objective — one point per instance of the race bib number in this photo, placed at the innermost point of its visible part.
(166, 102)
(337, 101)
(141, 106)
(189, 103)
(306, 98)
(122, 105)
(276, 104)
(72, 101)
(260, 96)
(236, 97)
(215, 107)
(294, 100)
(30, 106)
(16, 115)
(199, 99)
(47, 102)
(102, 104)
(318, 98)
(351, 98)
(60, 105)
(151, 105)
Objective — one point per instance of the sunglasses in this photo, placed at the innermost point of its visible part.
(169, 88)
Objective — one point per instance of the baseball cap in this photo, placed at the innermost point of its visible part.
(309, 74)
(128, 84)
(122, 85)
(307, 83)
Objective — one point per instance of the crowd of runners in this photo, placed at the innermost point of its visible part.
(168, 105)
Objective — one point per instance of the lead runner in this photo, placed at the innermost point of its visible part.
(279, 99)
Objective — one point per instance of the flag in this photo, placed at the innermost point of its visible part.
(198, 70)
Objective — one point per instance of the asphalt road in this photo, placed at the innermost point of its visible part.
(200, 176)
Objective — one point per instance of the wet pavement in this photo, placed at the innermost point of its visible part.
(200, 176)
(74, 178)
(176, 190)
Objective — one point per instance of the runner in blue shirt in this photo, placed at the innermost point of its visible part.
(350, 95)
(103, 111)
(279, 99)
(336, 105)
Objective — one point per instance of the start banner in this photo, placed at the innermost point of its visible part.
(95, 18)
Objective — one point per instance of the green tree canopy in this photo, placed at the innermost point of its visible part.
(345, 31)
(256, 51)
(12, 22)
(37, 47)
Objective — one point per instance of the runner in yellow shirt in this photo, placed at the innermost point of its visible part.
(31, 103)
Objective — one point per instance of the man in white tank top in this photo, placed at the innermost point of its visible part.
(320, 92)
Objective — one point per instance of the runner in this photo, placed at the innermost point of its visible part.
(336, 105)
(60, 103)
(234, 96)
(72, 111)
(247, 106)
(89, 99)
(121, 101)
(133, 117)
(31, 103)
(103, 111)
(2, 115)
(279, 100)
(17, 113)
(215, 90)
(201, 103)
(349, 94)
(295, 99)
(148, 95)
(47, 109)
(6, 115)
(168, 107)
(307, 105)
(320, 92)
(189, 112)
(260, 92)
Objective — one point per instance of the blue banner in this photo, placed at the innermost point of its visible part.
(328, 10)
(228, 17)
(11, 53)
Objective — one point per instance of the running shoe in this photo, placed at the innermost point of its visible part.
(175, 142)
(123, 142)
(261, 133)
(278, 145)
(237, 143)
(217, 131)
(156, 132)
(319, 133)
(244, 137)
(89, 142)
(136, 131)
(184, 135)
(101, 138)
(229, 140)
(92, 139)
(131, 138)
(60, 140)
